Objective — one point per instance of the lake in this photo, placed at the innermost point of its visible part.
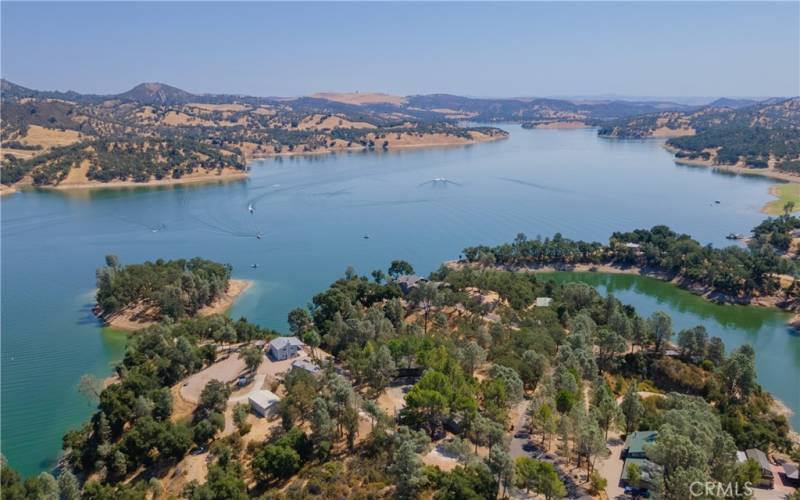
(314, 212)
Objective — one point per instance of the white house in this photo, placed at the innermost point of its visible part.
(543, 301)
(284, 347)
(262, 402)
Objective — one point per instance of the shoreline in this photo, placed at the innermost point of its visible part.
(124, 320)
(706, 293)
(471, 142)
(198, 179)
(733, 169)
(229, 176)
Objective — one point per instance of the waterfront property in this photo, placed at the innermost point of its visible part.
(576, 172)
(409, 282)
(283, 348)
(759, 456)
(263, 402)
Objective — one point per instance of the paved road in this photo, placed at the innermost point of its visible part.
(515, 449)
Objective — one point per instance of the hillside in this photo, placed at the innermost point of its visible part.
(155, 132)
(534, 112)
(760, 136)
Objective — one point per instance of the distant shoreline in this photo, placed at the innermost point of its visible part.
(227, 176)
(354, 149)
(734, 169)
(124, 320)
(703, 292)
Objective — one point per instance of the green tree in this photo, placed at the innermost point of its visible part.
(399, 268)
(501, 467)
(299, 321)
(240, 413)
(68, 486)
(213, 398)
(381, 369)
(632, 408)
(252, 357)
(634, 475)
(660, 325)
(407, 470)
(276, 461)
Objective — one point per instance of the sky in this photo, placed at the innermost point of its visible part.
(475, 49)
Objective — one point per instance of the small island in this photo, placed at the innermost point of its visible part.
(135, 296)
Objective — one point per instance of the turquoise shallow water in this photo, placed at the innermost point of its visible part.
(313, 212)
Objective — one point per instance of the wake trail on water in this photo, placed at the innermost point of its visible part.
(543, 187)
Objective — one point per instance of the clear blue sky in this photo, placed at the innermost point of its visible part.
(510, 49)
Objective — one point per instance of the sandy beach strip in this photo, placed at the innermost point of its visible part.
(128, 319)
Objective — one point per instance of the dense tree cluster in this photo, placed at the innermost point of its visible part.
(733, 271)
(133, 425)
(137, 159)
(732, 144)
(176, 288)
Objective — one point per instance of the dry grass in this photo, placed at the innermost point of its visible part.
(320, 122)
(50, 137)
(361, 98)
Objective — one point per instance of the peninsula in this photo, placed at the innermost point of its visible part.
(461, 385)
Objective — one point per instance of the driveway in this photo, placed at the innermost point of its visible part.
(611, 467)
(226, 371)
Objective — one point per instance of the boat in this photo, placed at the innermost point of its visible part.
(251, 208)
(254, 266)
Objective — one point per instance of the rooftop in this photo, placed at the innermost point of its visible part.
(408, 279)
(543, 301)
(636, 441)
(759, 457)
(281, 342)
(305, 365)
(263, 398)
(647, 468)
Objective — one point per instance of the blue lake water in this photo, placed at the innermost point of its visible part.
(313, 213)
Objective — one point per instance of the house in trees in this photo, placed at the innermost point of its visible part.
(634, 454)
(305, 364)
(634, 445)
(263, 402)
(763, 464)
(283, 348)
(543, 301)
(792, 473)
(408, 282)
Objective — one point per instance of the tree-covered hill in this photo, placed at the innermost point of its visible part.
(166, 132)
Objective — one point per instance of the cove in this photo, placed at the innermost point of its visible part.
(313, 213)
(776, 344)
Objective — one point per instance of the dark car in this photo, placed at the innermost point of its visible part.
(522, 435)
(529, 447)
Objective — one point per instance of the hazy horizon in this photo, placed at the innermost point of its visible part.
(602, 50)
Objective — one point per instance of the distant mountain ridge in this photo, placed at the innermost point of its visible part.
(425, 106)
